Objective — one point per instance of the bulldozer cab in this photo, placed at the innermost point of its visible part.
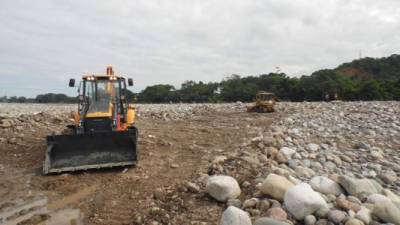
(265, 96)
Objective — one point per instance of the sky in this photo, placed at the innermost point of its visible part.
(43, 43)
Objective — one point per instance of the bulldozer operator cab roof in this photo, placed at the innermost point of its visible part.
(265, 96)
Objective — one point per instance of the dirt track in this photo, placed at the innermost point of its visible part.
(171, 153)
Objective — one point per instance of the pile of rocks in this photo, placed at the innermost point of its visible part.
(324, 163)
(152, 111)
(184, 111)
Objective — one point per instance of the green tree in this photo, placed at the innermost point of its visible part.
(158, 94)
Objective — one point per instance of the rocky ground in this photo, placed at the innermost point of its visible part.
(307, 163)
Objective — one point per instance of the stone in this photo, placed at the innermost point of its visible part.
(222, 188)
(388, 177)
(330, 166)
(325, 185)
(275, 203)
(347, 205)
(364, 214)
(234, 202)
(346, 158)
(275, 186)
(219, 159)
(310, 220)
(359, 187)
(250, 203)
(354, 199)
(246, 184)
(304, 172)
(281, 158)
(353, 221)
(323, 211)
(235, 216)
(263, 205)
(376, 155)
(276, 213)
(254, 212)
(301, 200)
(374, 198)
(313, 147)
(336, 216)
(12, 140)
(6, 123)
(288, 152)
(387, 211)
(192, 187)
(269, 221)
(392, 196)
(322, 222)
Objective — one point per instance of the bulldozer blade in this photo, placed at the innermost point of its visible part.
(90, 151)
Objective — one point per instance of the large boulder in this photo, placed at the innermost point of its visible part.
(275, 186)
(392, 196)
(269, 221)
(325, 185)
(359, 187)
(301, 200)
(222, 188)
(235, 216)
(387, 211)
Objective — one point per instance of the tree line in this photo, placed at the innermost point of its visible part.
(362, 79)
(43, 98)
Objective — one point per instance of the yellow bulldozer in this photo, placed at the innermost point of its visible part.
(103, 133)
(263, 103)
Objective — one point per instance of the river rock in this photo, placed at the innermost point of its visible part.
(275, 186)
(235, 216)
(347, 205)
(313, 147)
(353, 221)
(288, 152)
(277, 213)
(301, 200)
(325, 185)
(364, 214)
(269, 221)
(310, 220)
(359, 187)
(336, 216)
(222, 187)
(387, 211)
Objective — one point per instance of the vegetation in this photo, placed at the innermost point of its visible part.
(363, 79)
(44, 98)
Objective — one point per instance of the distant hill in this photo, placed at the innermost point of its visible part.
(387, 68)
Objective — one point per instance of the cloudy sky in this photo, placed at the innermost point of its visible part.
(45, 42)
